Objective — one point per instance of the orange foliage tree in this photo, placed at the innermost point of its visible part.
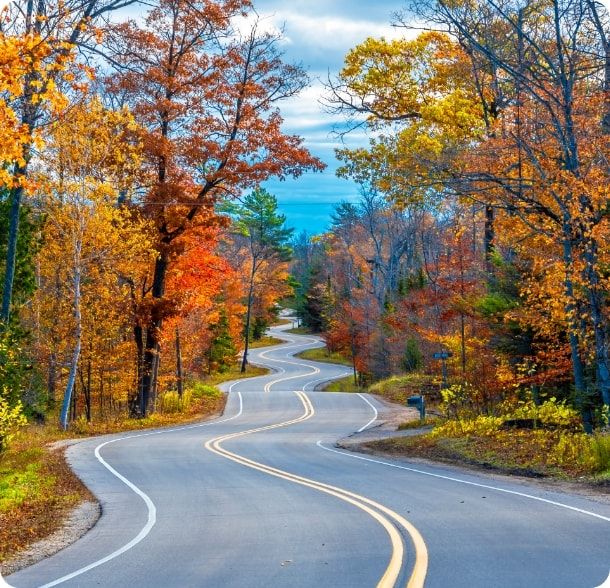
(207, 97)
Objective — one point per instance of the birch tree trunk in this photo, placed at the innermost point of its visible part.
(78, 332)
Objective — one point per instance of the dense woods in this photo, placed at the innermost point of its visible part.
(482, 229)
(121, 143)
(140, 252)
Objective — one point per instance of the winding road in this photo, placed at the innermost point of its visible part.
(261, 497)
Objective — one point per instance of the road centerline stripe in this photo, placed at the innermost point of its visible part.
(367, 505)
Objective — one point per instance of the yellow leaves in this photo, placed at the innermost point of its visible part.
(28, 65)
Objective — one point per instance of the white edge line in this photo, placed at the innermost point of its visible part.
(374, 410)
(152, 511)
(467, 482)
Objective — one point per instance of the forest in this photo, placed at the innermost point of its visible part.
(125, 144)
(140, 254)
(474, 268)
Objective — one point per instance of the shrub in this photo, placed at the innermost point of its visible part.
(170, 402)
(200, 390)
(479, 426)
(11, 419)
(550, 412)
(573, 449)
(600, 447)
(458, 400)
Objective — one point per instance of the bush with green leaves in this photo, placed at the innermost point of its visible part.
(200, 390)
(458, 400)
(11, 419)
(550, 412)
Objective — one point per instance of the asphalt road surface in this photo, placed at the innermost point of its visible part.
(261, 498)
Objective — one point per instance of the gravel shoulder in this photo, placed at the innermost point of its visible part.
(82, 518)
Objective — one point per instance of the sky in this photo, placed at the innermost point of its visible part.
(318, 34)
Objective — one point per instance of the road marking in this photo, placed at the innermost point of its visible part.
(392, 572)
(152, 511)
(315, 371)
(292, 344)
(374, 410)
(467, 482)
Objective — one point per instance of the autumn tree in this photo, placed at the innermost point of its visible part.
(38, 42)
(261, 231)
(91, 244)
(551, 179)
(207, 96)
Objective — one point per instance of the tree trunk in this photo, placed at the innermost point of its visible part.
(11, 251)
(155, 378)
(489, 240)
(244, 359)
(151, 344)
(52, 379)
(63, 419)
(578, 370)
(133, 400)
(596, 304)
(179, 376)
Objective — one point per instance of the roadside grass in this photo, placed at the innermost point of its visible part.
(281, 322)
(234, 373)
(299, 331)
(323, 355)
(417, 423)
(265, 341)
(398, 388)
(534, 453)
(38, 488)
(342, 385)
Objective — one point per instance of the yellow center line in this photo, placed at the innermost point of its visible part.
(390, 576)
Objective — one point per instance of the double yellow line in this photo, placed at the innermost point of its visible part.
(383, 515)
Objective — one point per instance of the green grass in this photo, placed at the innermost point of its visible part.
(265, 341)
(322, 354)
(281, 322)
(234, 373)
(398, 388)
(343, 385)
(299, 331)
(36, 489)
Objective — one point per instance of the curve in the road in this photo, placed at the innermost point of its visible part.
(372, 508)
(391, 521)
(151, 509)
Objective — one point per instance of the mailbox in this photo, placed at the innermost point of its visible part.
(420, 403)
